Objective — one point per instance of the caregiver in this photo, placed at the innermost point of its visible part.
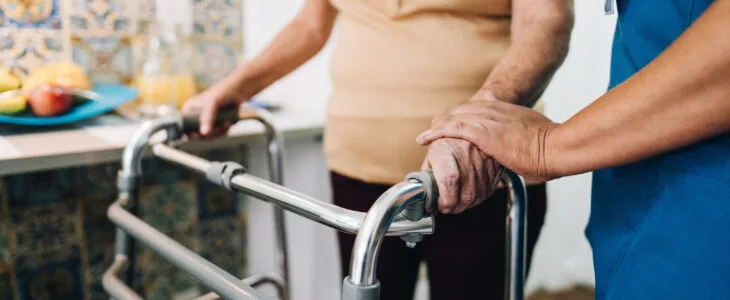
(659, 140)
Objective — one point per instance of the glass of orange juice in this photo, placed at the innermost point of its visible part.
(164, 76)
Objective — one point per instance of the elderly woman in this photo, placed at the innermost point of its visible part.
(660, 142)
(397, 64)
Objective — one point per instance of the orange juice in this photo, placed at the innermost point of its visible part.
(165, 89)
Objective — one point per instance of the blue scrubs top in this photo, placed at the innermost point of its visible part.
(660, 228)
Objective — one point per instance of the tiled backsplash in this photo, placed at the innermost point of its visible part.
(98, 35)
(56, 241)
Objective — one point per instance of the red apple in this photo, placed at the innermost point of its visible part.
(49, 100)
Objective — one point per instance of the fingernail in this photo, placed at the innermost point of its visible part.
(446, 210)
(204, 129)
(490, 96)
(422, 137)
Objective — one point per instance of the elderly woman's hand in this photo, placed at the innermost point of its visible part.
(209, 102)
(465, 176)
(515, 136)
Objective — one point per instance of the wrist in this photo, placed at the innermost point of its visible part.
(240, 86)
(563, 155)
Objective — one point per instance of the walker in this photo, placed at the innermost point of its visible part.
(400, 211)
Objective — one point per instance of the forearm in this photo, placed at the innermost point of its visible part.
(298, 42)
(682, 97)
(539, 43)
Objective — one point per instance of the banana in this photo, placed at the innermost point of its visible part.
(65, 74)
(8, 81)
(13, 104)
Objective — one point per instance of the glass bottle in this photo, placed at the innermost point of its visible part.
(164, 75)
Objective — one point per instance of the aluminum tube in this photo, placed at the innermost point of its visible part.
(183, 158)
(376, 224)
(324, 213)
(132, 156)
(515, 238)
(254, 281)
(331, 215)
(275, 156)
(210, 275)
(113, 285)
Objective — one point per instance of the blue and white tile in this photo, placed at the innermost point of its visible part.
(221, 18)
(45, 14)
(105, 59)
(24, 50)
(101, 17)
(214, 60)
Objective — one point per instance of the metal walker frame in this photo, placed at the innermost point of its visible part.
(401, 211)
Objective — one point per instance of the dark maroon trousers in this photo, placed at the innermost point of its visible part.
(465, 256)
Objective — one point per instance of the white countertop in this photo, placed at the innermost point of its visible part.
(102, 139)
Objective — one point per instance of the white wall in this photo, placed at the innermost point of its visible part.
(563, 256)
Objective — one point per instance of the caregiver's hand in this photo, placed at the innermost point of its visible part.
(208, 103)
(465, 176)
(515, 136)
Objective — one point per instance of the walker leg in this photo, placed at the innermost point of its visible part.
(275, 157)
(515, 236)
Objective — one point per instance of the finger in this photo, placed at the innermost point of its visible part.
(483, 176)
(426, 165)
(446, 172)
(467, 177)
(471, 128)
(208, 116)
(191, 105)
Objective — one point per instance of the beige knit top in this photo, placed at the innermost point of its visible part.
(398, 64)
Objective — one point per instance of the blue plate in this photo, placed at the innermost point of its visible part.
(110, 97)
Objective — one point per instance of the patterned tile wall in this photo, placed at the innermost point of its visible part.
(55, 239)
(97, 34)
(56, 242)
(217, 38)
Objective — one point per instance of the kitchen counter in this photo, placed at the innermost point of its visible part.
(102, 139)
(55, 186)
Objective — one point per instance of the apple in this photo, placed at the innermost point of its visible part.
(49, 100)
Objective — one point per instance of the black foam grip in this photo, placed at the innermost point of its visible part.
(191, 121)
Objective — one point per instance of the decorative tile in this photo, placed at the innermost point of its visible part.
(101, 17)
(153, 271)
(4, 248)
(217, 18)
(40, 188)
(215, 202)
(44, 228)
(55, 280)
(24, 50)
(159, 172)
(105, 59)
(100, 253)
(221, 241)
(170, 207)
(6, 287)
(99, 181)
(214, 60)
(30, 14)
(99, 238)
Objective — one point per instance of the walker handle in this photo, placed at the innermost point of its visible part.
(191, 121)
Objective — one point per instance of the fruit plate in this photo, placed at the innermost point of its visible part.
(102, 98)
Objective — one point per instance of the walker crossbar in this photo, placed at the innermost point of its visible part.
(400, 211)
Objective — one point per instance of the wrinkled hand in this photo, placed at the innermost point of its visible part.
(515, 136)
(209, 102)
(465, 176)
